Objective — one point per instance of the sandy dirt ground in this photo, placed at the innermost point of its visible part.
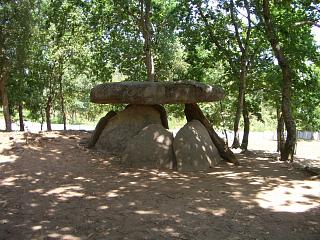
(51, 187)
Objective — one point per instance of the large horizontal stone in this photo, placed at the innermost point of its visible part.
(155, 92)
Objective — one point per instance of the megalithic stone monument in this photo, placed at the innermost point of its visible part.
(145, 99)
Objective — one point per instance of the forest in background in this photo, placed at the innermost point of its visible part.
(262, 53)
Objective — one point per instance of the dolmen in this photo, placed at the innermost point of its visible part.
(140, 133)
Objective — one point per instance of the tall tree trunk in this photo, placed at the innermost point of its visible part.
(5, 105)
(243, 44)
(226, 140)
(236, 123)
(246, 129)
(21, 121)
(42, 120)
(289, 148)
(63, 112)
(4, 76)
(145, 8)
(280, 131)
(48, 113)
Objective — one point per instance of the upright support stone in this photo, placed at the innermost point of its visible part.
(124, 126)
(99, 128)
(192, 111)
(161, 110)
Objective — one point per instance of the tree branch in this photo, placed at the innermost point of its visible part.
(307, 22)
(249, 24)
(236, 27)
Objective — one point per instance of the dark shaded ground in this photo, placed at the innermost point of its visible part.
(53, 188)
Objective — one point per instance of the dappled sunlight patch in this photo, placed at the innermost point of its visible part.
(38, 190)
(103, 207)
(124, 174)
(291, 196)
(230, 174)
(262, 158)
(66, 229)
(147, 212)
(36, 228)
(192, 213)
(9, 181)
(56, 151)
(63, 236)
(4, 221)
(35, 148)
(90, 197)
(64, 193)
(257, 181)
(216, 212)
(240, 197)
(168, 230)
(234, 184)
(8, 159)
(113, 194)
(34, 205)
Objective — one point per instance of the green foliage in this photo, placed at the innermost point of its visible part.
(78, 44)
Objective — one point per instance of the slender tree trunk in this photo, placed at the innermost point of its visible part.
(4, 75)
(42, 120)
(5, 105)
(145, 8)
(21, 121)
(243, 44)
(226, 140)
(63, 112)
(241, 93)
(289, 147)
(280, 131)
(48, 113)
(246, 129)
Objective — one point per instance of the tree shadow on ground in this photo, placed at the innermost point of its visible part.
(53, 188)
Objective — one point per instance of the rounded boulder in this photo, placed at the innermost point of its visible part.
(151, 147)
(194, 149)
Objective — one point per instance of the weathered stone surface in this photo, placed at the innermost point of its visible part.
(99, 128)
(125, 125)
(151, 147)
(193, 112)
(155, 92)
(194, 149)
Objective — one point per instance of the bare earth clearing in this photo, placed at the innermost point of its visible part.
(51, 187)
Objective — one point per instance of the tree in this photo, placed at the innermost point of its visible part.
(143, 29)
(14, 40)
(229, 37)
(286, 61)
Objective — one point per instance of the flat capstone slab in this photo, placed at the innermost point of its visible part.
(155, 93)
